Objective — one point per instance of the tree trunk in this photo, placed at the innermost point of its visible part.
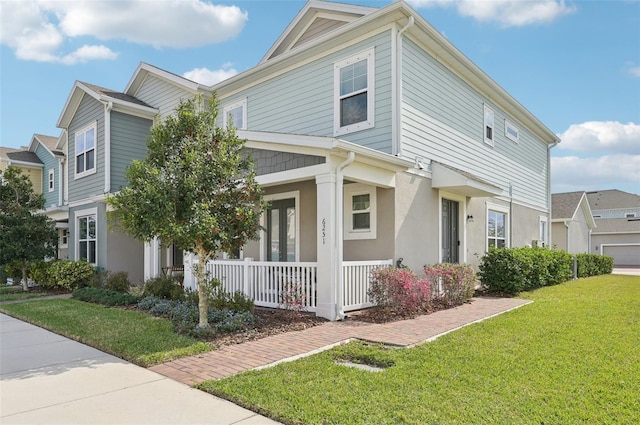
(203, 300)
(25, 283)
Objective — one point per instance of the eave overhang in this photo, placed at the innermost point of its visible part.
(452, 180)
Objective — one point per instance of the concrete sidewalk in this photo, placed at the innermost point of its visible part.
(48, 379)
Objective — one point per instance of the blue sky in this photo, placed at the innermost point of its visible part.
(573, 64)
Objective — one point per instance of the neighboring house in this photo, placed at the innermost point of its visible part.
(103, 131)
(52, 185)
(28, 162)
(571, 222)
(617, 216)
(374, 138)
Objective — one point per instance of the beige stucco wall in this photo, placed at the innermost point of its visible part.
(307, 214)
(125, 254)
(559, 236)
(382, 247)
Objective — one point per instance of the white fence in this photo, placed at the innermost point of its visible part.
(356, 279)
(266, 281)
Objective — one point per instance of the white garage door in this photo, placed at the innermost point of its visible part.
(623, 255)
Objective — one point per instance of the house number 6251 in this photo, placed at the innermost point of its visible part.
(324, 230)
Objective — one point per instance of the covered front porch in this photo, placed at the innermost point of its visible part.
(330, 221)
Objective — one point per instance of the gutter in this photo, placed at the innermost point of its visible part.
(339, 233)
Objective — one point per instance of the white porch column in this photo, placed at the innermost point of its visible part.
(152, 259)
(326, 255)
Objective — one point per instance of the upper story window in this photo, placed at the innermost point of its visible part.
(511, 131)
(51, 180)
(489, 118)
(359, 211)
(85, 143)
(354, 93)
(236, 115)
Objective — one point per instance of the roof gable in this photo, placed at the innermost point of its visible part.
(565, 206)
(145, 69)
(20, 156)
(315, 19)
(101, 94)
(48, 142)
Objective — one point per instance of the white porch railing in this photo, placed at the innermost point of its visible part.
(356, 281)
(266, 281)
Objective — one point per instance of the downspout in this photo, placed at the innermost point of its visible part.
(510, 245)
(549, 206)
(107, 146)
(60, 181)
(339, 233)
(397, 131)
(567, 224)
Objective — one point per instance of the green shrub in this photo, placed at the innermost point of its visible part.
(68, 275)
(39, 272)
(452, 284)
(513, 270)
(118, 281)
(223, 300)
(163, 287)
(103, 296)
(594, 265)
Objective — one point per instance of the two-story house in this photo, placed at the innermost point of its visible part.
(617, 216)
(374, 139)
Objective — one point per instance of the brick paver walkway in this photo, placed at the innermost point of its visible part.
(271, 350)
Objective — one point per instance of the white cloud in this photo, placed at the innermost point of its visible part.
(634, 71)
(210, 77)
(572, 173)
(506, 13)
(602, 137)
(38, 29)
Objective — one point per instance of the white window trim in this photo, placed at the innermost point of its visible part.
(508, 125)
(462, 223)
(369, 55)
(225, 113)
(544, 238)
(64, 235)
(95, 151)
(263, 221)
(489, 141)
(76, 242)
(507, 227)
(350, 190)
(52, 178)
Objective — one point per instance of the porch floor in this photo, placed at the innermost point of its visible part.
(271, 350)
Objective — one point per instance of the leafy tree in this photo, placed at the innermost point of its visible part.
(25, 235)
(196, 189)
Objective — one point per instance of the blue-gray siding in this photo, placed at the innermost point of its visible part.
(301, 101)
(89, 111)
(443, 120)
(267, 162)
(50, 163)
(128, 142)
(162, 94)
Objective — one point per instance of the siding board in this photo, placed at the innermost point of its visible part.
(128, 142)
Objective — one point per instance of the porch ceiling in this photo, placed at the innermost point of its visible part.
(458, 181)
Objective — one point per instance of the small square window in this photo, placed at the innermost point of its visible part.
(236, 115)
(359, 211)
(511, 131)
(51, 181)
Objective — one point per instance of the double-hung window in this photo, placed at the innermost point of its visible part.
(497, 227)
(236, 115)
(354, 93)
(489, 118)
(51, 180)
(87, 238)
(85, 142)
(359, 211)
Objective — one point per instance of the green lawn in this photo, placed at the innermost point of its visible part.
(573, 356)
(15, 293)
(131, 335)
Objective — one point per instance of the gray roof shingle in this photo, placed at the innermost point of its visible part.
(564, 205)
(612, 199)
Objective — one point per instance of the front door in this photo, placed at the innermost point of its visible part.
(281, 230)
(450, 236)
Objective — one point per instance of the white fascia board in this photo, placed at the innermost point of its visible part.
(144, 69)
(131, 108)
(62, 139)
(292, 176)
(24, 164)
(287, 139)
(70, 106)
(34, 145)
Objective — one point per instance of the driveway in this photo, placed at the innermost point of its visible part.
(46, 378)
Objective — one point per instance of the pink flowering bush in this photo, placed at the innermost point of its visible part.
(292, 299)
(452, 284)
(400, 291)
